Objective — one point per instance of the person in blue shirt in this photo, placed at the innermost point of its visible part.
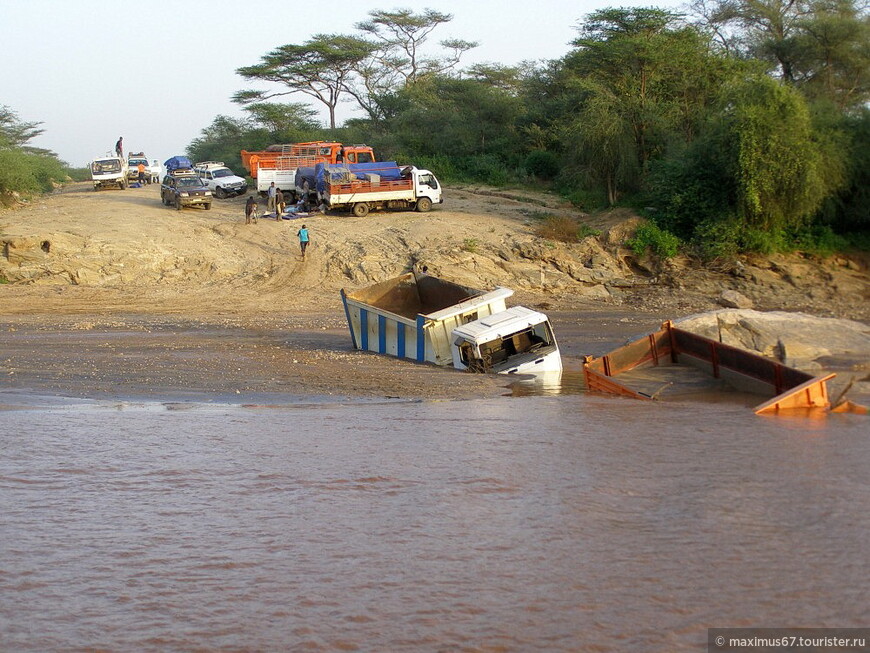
(303, 240)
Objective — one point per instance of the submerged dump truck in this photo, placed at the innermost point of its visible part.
(427, 319)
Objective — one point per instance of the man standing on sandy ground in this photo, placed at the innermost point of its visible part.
(279, 204)
(303, 240)
(273, 192)
(119, 147)
(141, 167)
(251, 210)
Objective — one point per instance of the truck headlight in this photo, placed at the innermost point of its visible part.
(208, 192)
(184, 194)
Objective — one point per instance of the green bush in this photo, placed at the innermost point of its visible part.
(471, 245)
(649, 236)
(28, 174)
(542, 164)
(79, 174)
(717, 239)
(817, 239)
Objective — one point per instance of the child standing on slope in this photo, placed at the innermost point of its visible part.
(303, 240)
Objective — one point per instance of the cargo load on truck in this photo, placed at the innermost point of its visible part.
(177, 163)
(278, 163)
(428, 319)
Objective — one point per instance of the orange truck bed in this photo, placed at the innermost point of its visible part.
(296, 155)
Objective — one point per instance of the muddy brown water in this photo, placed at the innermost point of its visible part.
(537, 523)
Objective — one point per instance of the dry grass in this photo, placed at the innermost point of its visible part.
(563, 228)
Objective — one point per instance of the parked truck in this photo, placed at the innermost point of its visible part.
(133, 161)
(361, 188)
(428, 319)
(278, 163)
(109, 171)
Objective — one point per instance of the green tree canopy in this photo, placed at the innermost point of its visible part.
(320, 68)
(16, 133)
(769, 147)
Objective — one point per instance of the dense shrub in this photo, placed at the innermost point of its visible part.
(649, 236)
(28, 174)
(542, 164)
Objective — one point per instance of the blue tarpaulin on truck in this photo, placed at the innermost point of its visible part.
(177, 163)
(386, 170)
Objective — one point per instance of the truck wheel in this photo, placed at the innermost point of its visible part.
(360, 209)
(207, 206)
(220, 193)
(177, 204)
(123, 185)
(424, 204)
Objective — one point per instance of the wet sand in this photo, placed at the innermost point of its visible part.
(303, 356)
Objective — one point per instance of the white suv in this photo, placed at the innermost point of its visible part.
(222, 181)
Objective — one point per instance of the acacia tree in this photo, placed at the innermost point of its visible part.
(833, 53)
(397, 58)
(14, 132)
(320, 68)
(283, 118)
(822, 46)
(400, 36)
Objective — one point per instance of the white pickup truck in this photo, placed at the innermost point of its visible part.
(109, 172)
(220, 180)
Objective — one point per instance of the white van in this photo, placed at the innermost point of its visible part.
(220, 180)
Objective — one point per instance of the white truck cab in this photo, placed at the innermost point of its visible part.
(220, 180)
(109, 171)
(517, 340)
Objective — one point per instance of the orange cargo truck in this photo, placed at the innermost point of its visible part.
(279, 163)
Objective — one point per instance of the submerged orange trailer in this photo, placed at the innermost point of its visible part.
(789, 389)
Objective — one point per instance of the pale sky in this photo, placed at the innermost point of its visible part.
(158, 72)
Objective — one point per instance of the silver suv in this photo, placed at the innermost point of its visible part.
(220, 180)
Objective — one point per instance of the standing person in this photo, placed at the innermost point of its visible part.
(272, 197)
(251, 210)
(279, 204)
(119, 147)
(303, 240)
(141, 167)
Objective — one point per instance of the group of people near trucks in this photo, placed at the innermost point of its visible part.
(276, 201)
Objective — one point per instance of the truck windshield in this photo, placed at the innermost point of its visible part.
(222, 172)
(499, 350)
(189, 182)
(109, 165)
(428, 180)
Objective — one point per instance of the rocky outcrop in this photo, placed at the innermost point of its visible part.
(796, 339)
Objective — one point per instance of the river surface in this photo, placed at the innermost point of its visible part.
(529, 523)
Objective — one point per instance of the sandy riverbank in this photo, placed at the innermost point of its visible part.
(112, 292)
